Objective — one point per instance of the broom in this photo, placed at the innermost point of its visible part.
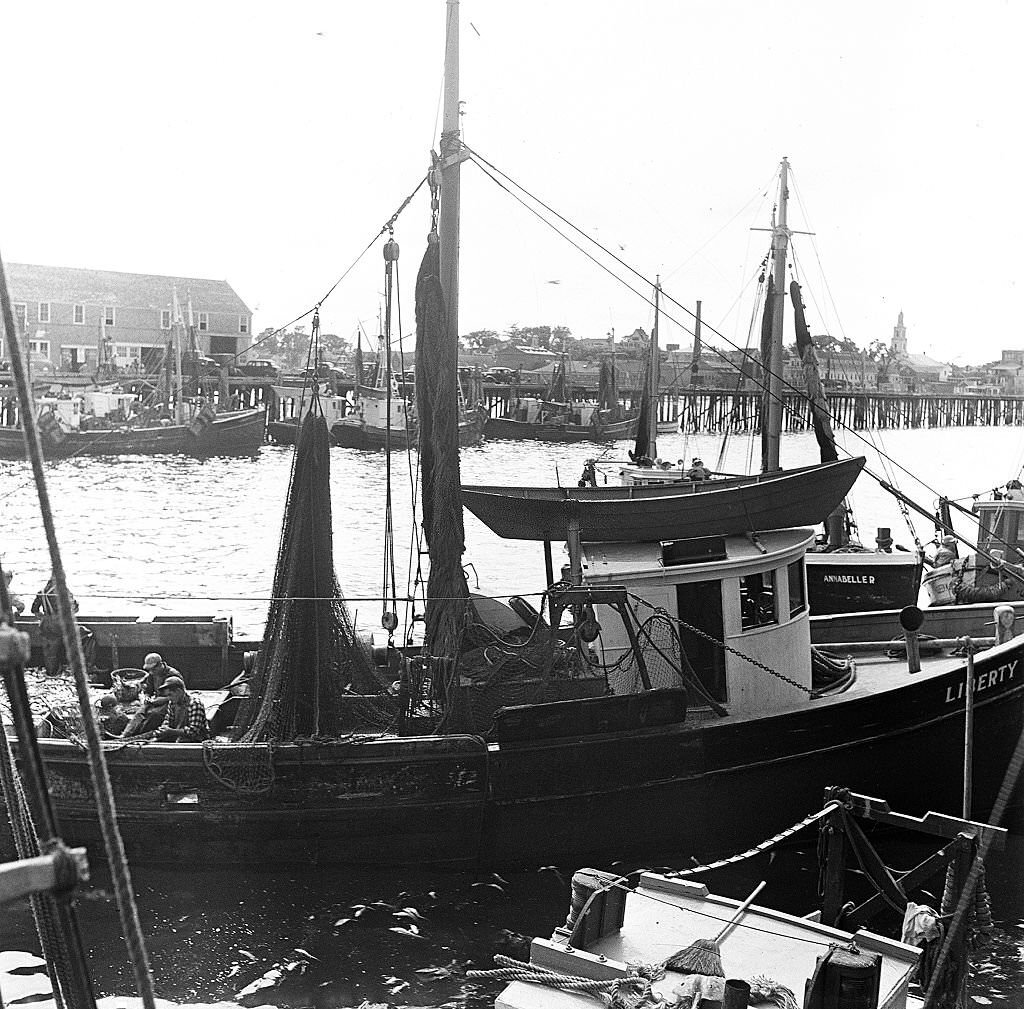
(704, 956)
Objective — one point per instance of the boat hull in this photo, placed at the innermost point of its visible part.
(642, 789)
(229, 434)
(497, 428)
(634, 514)
(365, 436)
(861, 580)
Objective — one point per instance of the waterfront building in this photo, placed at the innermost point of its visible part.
(66, 315)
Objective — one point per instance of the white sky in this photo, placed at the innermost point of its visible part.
(267, 143)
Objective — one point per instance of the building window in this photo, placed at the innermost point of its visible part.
(165, 319)
(44, 311)
(20, 315)
(797, 602)
(79, 315)
(243, 324)
(108, 315)
(204, 322)
(757, 600)
(41, 347)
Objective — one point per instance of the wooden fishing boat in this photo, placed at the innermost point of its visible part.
(681, 693)
(631, 926)
(637, 513)
(562, 431)
(238, 433)
(570, 777)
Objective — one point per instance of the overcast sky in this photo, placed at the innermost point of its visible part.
(266, 144)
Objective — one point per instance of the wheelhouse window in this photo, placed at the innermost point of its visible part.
(797, 600)
(44, 311)
(108, 315)
(204, 322)
(79, 315)
(165, 319)
(243, 324)
(758, 606)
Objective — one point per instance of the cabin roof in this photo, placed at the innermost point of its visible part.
(615, 561)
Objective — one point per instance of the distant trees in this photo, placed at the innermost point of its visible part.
(290, 349)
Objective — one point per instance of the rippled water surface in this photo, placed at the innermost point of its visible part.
(201, 537)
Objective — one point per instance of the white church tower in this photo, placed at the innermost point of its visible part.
(899, 338)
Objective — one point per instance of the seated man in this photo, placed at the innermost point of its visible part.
(185, 721)
(698, 471)
(17, 603)
(151, 715)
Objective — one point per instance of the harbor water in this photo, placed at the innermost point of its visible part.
(201, 537)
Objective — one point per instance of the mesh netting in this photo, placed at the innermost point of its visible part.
(662, 655)
(313, 677)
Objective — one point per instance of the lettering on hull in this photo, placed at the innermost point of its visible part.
(983, 681)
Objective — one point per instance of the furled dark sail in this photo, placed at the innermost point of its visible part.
(820, 416)
(437, 410)
(560, 391)
(642, 447)
(766, 363)
(310, 659)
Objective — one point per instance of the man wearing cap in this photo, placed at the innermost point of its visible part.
(151, 715)
(185, 720)
(697, 471)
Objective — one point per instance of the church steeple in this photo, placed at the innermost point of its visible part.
(898, 347)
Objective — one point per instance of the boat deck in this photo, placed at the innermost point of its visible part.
(663, 916)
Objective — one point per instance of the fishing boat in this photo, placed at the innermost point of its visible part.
(380, 417)
(105, 421)
(662, 937)
(207, 433)
(691, 508)
(668, 688)
(560, 417)
(290, 406)
(843, 574)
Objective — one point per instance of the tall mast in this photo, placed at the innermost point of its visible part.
(654, 378)
(780, 242)
(451, 163)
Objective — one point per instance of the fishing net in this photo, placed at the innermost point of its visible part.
(313, 677)
(661, 652)
(438, 411)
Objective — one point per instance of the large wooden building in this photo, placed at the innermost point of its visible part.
(65, 314)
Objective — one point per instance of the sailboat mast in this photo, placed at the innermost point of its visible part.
(780, 242)
(654, 378)
(451, 165)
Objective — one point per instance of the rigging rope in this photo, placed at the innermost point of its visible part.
(102, 789)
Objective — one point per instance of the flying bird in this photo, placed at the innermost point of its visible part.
(554, 282)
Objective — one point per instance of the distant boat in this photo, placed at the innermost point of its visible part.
(105, 421)
(636, 514)
(238, 433)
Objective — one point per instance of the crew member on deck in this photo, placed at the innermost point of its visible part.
(697, 470)
(44, 606)
(185, 721)
(17, 603)
(151, 715)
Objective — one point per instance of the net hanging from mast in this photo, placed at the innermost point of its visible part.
(311, 662)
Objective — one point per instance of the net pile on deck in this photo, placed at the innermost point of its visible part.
(313, 678)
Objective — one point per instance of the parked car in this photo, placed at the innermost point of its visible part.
(499, 376)
(191, 362)
(257, 369)
(326, 370)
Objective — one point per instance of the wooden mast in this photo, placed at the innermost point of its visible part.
(451, 169)
(780, 242)
(654, 379)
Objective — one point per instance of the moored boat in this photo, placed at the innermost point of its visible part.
(236, 433)
(635, 513)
